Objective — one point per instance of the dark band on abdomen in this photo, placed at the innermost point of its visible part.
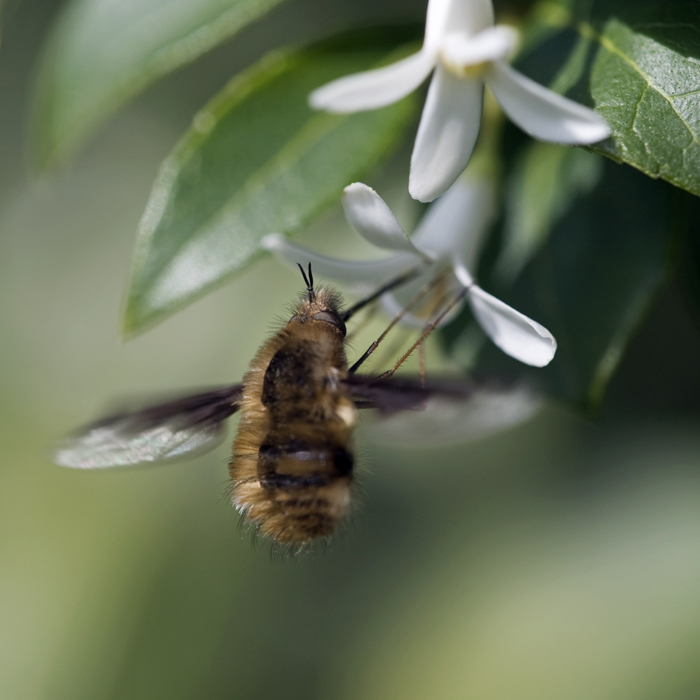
(298, 464)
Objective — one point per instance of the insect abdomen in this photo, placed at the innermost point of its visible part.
(301, 488)
(306, 483)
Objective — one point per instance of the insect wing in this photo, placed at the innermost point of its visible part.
(404, 394)
(446, 419)
(188, 426)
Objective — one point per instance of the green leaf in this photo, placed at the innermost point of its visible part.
(649, 94)
(590, 284)
(638, 64)
(257, 160)
(102, 53)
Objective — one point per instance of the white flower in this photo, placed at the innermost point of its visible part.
(449, 236)
(466, 50)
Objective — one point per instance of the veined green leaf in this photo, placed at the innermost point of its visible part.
(650, 96)
(103, 52)
(257, 160)
(590, 284)
(638, 64)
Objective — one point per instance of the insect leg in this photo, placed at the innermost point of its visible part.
(416, 299)
(396, 282)
(426, 332)
(394, 349)
(421, 359)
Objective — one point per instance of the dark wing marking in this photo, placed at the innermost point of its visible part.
(185, 426)
(404, 394)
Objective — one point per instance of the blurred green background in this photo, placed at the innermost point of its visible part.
(558, 560)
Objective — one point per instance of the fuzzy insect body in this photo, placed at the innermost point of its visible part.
(292, 461)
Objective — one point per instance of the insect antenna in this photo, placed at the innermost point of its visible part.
(309, 281)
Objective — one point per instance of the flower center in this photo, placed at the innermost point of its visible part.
(472, 71)
(468, 56)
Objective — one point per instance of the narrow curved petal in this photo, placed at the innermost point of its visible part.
(455, 225)
(374, 88)
(370, 216)
(542, 113)
(493, 44)
(516, 334)
(469, 16)
(446, 135)
(358, 272)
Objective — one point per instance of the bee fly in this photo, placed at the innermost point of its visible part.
(292, 461)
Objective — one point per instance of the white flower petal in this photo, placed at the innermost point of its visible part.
(446, 136)
(542, 113)
(448, 421)
(469, 16)
(436, 23)
(370, 216)
(366, 273)
(374, 88)
(493, 44)
(463, 275)
(516, 334)
(455, 224)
